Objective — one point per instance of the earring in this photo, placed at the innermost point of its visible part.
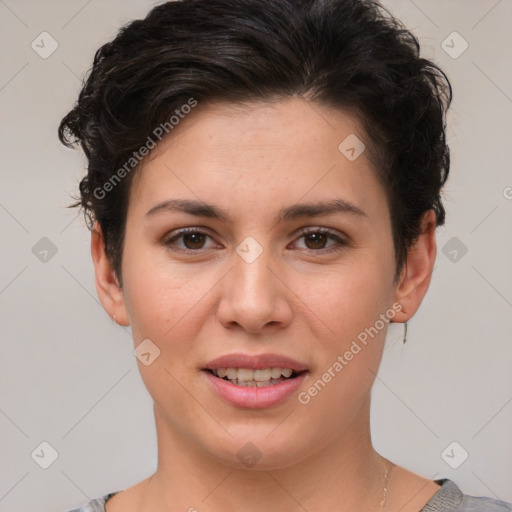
(114, 318)
(404, 339)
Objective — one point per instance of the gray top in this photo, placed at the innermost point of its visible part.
(449, 498)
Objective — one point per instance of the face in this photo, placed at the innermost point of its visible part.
(252, 242)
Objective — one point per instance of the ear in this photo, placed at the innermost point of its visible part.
(107, 286)
(415, 277)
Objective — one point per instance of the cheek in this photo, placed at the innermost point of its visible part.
(159, 298)
(164, 306)
(350, 301)
(350, 297)
(348, 360)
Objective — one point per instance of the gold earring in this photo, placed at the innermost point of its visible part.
(404, 339)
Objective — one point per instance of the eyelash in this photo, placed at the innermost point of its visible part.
(341, 244)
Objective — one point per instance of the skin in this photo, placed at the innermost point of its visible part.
(296, 299)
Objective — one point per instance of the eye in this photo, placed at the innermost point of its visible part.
(315, 240)
(192, 240)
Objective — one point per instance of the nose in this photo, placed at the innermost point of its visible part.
(255, 296)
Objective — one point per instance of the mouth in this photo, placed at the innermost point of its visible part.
(255, 381)
(255, 378)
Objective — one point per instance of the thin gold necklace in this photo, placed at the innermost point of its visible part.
(383, 501)
(387, 476)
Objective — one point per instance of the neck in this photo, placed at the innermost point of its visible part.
(345, 474)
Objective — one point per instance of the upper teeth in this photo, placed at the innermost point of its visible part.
(247, 374)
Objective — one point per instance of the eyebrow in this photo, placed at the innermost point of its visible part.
(201, 209)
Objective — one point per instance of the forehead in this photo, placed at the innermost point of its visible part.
(247, 154)
(293, 123)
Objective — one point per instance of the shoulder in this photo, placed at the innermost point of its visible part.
(481, 504)
(450, 498)
(95, 505)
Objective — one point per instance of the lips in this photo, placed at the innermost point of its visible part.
(254, 381)
(255, 362)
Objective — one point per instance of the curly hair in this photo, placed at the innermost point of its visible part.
(350, 54)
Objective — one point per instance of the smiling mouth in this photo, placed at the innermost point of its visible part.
(246, 377)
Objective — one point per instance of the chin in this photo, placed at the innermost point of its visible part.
(259, 451)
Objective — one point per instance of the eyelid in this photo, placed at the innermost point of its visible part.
(318, 229)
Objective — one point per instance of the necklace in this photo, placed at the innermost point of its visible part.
(387, 476)
(383, 501)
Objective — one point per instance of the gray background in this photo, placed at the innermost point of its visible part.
(68, 375)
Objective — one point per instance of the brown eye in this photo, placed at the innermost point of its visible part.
(189, 240)
(320, 241)
(194, 240)
(316, 240)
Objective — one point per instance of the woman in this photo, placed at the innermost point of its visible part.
(263, 190)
